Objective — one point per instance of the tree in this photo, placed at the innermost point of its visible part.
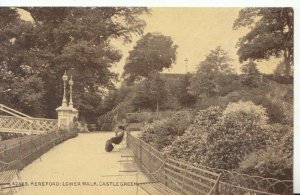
(206, 81)
(182, 93)
(271, 34)
(26, 86)
(149, 94)
(73, 39)
(152, 53)
(250, 74)
(280, 74)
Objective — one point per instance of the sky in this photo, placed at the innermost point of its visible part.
(196, 31)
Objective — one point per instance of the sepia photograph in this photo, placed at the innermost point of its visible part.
(125, 100)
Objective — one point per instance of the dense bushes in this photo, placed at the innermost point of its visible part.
(193, 144)
(237, 138)
(276, 159)
(162, 133)
(241, 133)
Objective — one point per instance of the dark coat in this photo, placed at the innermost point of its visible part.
(108, 146)
(118, 139)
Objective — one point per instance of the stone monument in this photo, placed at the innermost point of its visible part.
(66, 113)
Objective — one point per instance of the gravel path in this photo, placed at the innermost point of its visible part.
(79, 166)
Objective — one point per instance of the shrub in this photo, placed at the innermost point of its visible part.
(274, 111)
(189, 147)
(221, 139)
(241, 134)
(192, 145)
(205, 120)
(162, 133)
(270, 163)
(244, 115)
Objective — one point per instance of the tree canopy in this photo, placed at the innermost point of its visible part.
(250, 74)
(271, 34)
(209, 72)
(74, 39)
(152, 53)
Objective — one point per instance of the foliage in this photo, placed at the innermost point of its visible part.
(274, 111)
(192, 145)
(206, 80)
(271, 34)
(152, 53)
(250, 74)
(89, 105)
(185, 98)
(276, 160)
(268, 163)
(73, 39)
(221, 139)
(23, 93)
(245, 115)
(241, 134)
(162, 133)
(150, 94)
(280, 79)
(280, 70)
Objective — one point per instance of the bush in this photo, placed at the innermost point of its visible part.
(241, 134)
(238, 138)
(162, 133)
(244, 115)
(206, 120)
(192, 146)
(221, 139)
(189, 147)
(274, 111)
(204, 102)
(269, 163)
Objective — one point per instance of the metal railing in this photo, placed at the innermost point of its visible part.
(19, 122)
(180, 177)
(187, 179)
(27, 125)
(239, 182)
(23, 151)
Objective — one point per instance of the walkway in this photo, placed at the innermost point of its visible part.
(79, 166)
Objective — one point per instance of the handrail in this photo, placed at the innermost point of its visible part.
(20, 124)
(214, 189)
(141, 146)
(32, 148)
(13, 110)
(220, 187)
(14, 115)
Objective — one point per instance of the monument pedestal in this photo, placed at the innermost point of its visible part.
(66, 116)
